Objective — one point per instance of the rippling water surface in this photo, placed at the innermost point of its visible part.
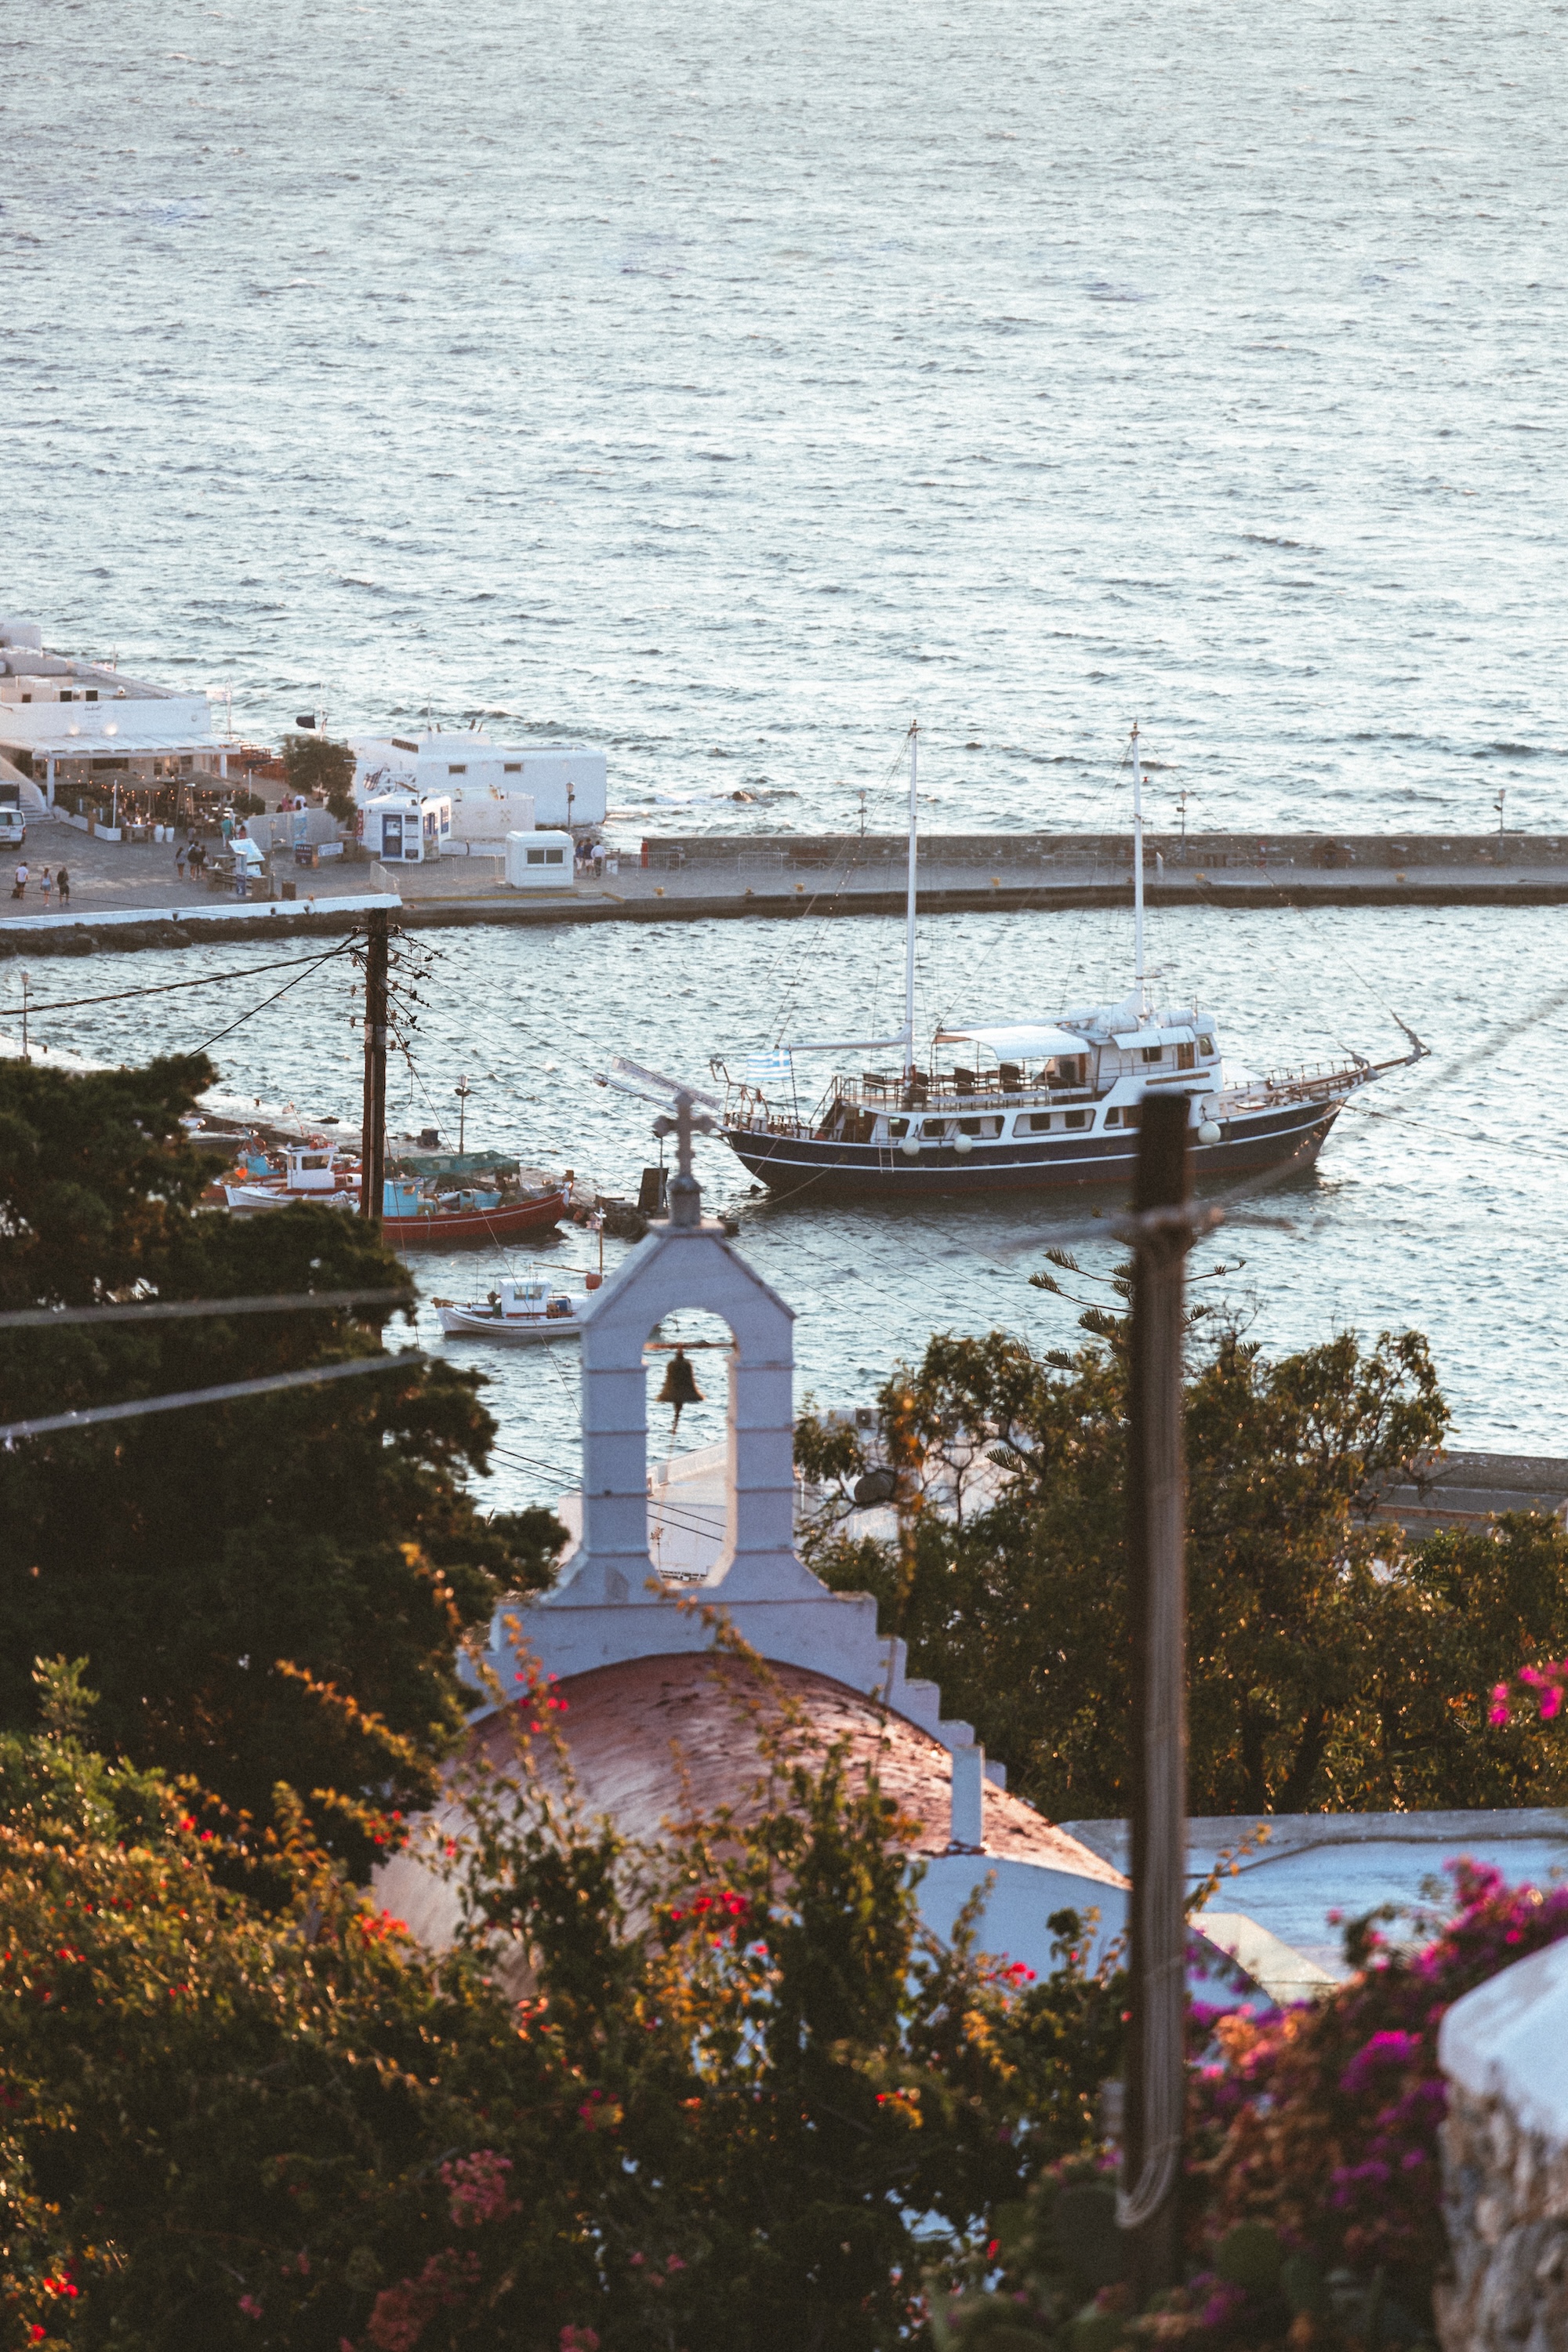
(726, 385)
(1437, 1203)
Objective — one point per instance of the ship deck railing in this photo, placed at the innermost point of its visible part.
(1311, 1082)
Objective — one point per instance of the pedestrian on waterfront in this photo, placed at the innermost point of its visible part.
(180, 863)
(47, 886)
(63, 885)
(19, 887)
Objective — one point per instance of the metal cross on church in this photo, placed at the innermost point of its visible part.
(685, 1192)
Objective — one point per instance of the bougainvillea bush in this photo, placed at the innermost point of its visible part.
(717, 2093)
(1314, 2211)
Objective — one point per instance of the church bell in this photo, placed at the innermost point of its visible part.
(679, 1387)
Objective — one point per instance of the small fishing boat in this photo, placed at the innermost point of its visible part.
(431, 1200)
(536, 1308)
(1027, 1100)
(300, 1171)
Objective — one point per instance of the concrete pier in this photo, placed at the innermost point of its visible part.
(126, 896)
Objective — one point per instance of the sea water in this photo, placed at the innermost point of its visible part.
(1435, 1205)
(729, 386)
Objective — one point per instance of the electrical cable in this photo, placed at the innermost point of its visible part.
(161, 1310)
(265, 1001)
(162, 988)
(406, 1361)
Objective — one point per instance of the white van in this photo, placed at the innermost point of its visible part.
(13, 820)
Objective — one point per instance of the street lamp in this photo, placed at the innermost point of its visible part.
(462, 1090)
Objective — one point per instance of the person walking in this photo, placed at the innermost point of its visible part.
(180, 863)
(46, 884)
(19, 887)
(63, 885)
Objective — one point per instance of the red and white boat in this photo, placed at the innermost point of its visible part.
(420, 1209)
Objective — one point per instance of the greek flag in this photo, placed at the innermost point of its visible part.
(770, 1069)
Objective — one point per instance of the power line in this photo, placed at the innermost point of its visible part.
(161, 1310)
(265, 1001)
(162, 988)
(406, 1361)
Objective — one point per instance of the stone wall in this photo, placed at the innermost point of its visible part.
(1504, 2048)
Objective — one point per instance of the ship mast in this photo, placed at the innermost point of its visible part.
(1138, 981)
(909, 916)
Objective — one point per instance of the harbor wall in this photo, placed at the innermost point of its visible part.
(1004, 852)
(792, 877)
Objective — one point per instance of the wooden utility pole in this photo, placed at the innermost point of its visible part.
(1149, 2207)
(372, 1141)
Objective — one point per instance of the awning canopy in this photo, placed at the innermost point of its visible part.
(1028, 1040)
(1129, 1037)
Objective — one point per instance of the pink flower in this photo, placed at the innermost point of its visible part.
(477, 2185)
(250, 2307)
(579, 2339)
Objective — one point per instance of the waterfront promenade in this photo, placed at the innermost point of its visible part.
(124, 889)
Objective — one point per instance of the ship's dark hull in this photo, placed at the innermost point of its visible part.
(1288, 1137)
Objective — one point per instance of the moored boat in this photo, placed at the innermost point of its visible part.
(536, 1308)
(1033, 1101)
(430, 1201)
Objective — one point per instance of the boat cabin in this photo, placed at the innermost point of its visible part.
(531, 1297)
(1022, 1081)
(309, 1168)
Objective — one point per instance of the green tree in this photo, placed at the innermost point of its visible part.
(314, 763)
(194, 1556)
(1331, 1663)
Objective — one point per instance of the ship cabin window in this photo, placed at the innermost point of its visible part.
(1186, 1058)
(314, 1159)
(980, 1127)
(1205, 1047)
(1124, 1115)
(1153, 1053)
(1069, 1071)
(1076, 1119)
(935, 1130)
(1034, 1122)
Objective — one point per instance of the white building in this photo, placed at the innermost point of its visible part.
(566, 783)
(402, 826)
(76, 726)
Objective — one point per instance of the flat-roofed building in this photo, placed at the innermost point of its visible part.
(79, 728)
(566, 783)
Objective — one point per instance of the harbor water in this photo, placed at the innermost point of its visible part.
(727, 386)
(1435, 1204)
